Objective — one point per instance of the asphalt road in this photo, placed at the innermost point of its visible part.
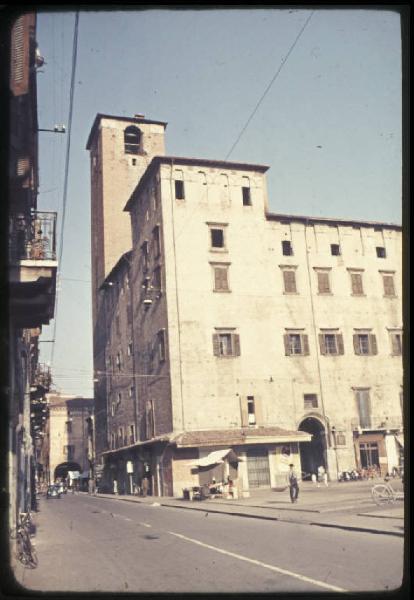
(89, 544)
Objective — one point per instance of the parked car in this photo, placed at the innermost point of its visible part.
(53, 491)
(62, 487)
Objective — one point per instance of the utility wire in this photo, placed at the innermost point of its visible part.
(65, 186)
(270, 84)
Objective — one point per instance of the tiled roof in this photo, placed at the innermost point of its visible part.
(238, 436)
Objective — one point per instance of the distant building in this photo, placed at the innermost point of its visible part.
(69, 437)
(219, 325)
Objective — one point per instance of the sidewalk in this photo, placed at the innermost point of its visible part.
(341, 505)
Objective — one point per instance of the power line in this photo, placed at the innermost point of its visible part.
(65, 187)
(270, 84)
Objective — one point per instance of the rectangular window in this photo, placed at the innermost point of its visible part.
(247, 201)
(356, 284)
(331, 344)
(161, 345)
(113, 409)
(287, 249)
(132, 434)
(296, 344)
(251, 416)
(68, 426)
(221, 283)
(363, 407)
(340, 438)
(156, 278)
(217, 238)
(226, 344)
(365, 344)
(119, 361)
(289, 281)
(369, 454)
(131, 391)
(144, 254)
(150, 419)
(388, 283)
(310, 401)
(179, 190)
(119, 398)
(129, 350)
(396, 343)
(121, 436)
(380, 252)
(335, 250)
(156, 237)
(324, 285)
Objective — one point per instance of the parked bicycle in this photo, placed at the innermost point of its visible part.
(384, 493)
(25, 550)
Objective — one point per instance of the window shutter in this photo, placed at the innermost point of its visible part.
(289, 281)
(258, 412)
(216, 345)
(389, 285)
(323, 283)
(356, 279)
(373, 344)
(305, 343)
(396, 349)
(236, 344)
(244, 412)
(220, 279)
(322, 343)
(340, 343)
(356, 344)
(287, 347)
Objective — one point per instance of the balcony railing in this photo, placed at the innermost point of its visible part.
(33, 237)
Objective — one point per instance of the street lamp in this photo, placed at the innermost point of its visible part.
(56, 129)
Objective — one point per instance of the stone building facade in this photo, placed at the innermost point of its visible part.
(69, 444)
(277, 336)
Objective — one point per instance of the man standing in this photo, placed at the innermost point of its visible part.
(293, 483)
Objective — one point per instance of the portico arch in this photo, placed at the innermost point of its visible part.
(62, 469)
(313, 453)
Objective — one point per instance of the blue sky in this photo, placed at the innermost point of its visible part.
(329, 127)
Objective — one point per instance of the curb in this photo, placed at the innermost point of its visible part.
(263, 517)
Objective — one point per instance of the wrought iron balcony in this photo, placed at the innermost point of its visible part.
(33, 237)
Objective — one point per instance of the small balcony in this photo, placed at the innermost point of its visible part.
(32, 268)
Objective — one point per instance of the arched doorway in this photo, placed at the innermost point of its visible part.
(61, 470)
(313, 453)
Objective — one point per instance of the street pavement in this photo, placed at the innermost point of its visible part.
(127, 544)
(347, 505)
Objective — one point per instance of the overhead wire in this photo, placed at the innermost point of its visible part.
(275, 76)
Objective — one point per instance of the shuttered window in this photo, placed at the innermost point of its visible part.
(356, 284)
(365, 344)
(324, 286)
(310, 401)
(289, 281)
(396, 343)
(331, 344)
(296, 344)
(363, 407)
(226, 344)
(221, 283)
(389, 288)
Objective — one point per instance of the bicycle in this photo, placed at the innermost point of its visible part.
(384, 493)
(25, 550)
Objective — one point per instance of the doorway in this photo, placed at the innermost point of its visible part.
(313, 453)
(258, 470)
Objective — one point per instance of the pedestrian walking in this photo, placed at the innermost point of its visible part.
(325, 479)
(115, 487)
(293, 483)
(313, 477)
(321, 474)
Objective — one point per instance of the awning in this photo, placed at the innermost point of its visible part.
(400, 440)
(216, 457)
